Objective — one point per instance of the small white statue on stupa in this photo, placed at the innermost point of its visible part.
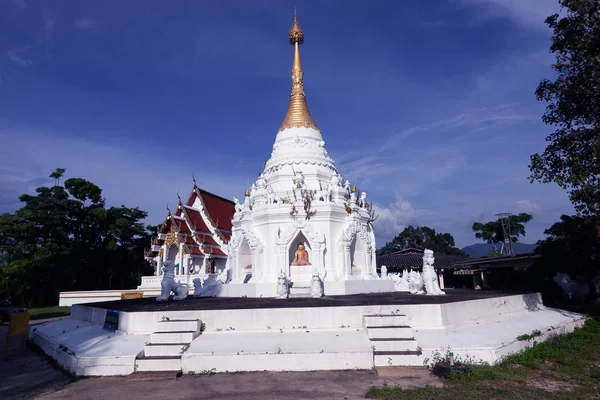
(316, 285)
(283, 288)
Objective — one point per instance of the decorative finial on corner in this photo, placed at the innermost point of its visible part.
(246, 193)
(178, 197)
(194, 178)
(353, 189)
(168, 209)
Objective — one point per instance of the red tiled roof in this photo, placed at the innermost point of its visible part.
(221, 210)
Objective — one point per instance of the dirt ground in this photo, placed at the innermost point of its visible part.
(25, 374)
(328, 385)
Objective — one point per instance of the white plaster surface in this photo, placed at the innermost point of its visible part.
(491, 339)
(483, 329)
(294, 350)
(87, 349)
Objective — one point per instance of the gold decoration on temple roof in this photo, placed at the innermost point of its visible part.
(298, 185)
(297, 114)
(354, 188)
(246, 193)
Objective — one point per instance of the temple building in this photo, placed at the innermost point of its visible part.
(194, 237)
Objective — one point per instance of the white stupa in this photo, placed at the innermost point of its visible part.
(300, 218)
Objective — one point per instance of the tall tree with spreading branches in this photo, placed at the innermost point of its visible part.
(572, 157)
(493, 233)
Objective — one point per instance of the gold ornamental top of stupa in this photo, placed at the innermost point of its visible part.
(297, 114)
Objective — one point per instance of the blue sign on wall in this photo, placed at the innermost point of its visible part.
(111, 322)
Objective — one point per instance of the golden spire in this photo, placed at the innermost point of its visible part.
(297, 114)
(354, 188)
(246, 193)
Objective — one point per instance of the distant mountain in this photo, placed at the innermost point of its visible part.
(484, 249)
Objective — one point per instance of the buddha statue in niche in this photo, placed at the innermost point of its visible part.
(301, 256)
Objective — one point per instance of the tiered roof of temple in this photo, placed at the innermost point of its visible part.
(202, 224)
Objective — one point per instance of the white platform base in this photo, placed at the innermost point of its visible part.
(299, 338)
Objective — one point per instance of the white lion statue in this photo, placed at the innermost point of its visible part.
(316, 286)
(430, 277)
(169, 285)
(283, 288)
(415, 283)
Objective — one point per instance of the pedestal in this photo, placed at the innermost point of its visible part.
(301, 273)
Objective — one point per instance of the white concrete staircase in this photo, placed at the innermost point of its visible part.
(163, 352)
(392, 340)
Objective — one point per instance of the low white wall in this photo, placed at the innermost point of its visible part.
(421, 316)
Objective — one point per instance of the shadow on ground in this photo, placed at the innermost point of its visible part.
(26, 374)
(348, 385)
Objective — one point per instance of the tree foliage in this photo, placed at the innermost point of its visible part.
(572, 247)
(493, 233)
(65, 238)
(571, 158)
(422, 237)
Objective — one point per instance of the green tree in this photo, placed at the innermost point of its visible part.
(64, 238)
(422, 237)
(493, 233)
(571, 157)
(572, 247)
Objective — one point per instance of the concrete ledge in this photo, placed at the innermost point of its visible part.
(491, 339)
(85, 349)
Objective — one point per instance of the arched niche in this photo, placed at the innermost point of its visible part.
(358, 251)
(245, 257)
(300, 237)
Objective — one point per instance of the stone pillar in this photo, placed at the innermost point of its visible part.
(441, 278)
(180, 254)
(318, 259)
(347, 261)
(233, 266)
(159, 266)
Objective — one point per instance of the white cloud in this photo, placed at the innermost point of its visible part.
(528, 13)
(526, 206)
(393, 218)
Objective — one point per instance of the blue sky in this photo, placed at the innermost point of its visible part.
(428, 105)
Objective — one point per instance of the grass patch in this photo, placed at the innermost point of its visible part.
(563, 367)
(49, 312)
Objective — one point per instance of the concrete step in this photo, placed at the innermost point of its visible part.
(177, 325)
(385, 320)
(300, 291)
(158, 350)
(173, 337)
(394, 344)
(397, 358)
(164, 363)
(390, 332)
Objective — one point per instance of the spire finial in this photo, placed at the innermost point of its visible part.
(194, 178)
(297, 114)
